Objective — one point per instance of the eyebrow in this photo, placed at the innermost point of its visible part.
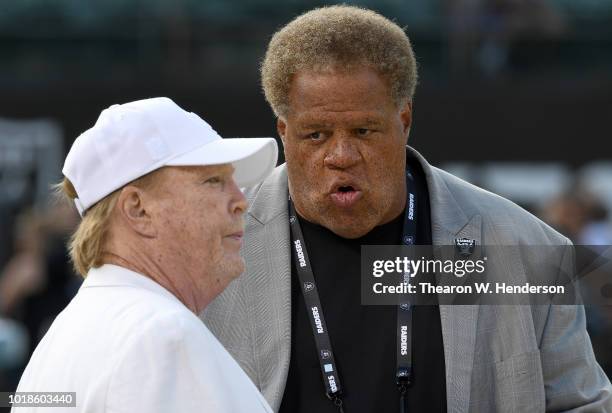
(315, 125)
(371, 122)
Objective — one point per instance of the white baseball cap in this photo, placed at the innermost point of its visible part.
(130, 140)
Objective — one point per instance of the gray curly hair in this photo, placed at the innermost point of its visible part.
(332, 37)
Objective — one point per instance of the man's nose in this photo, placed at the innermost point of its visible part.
(342, 153)
(238, 202)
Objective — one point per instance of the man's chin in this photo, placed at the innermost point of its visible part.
(237, 267)
(347, 230)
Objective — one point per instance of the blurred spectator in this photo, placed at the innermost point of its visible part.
(23, 274)
(484, 32)
(36, 283)
(13, 352)
(581, 217)
(568, 214)
(597, 229)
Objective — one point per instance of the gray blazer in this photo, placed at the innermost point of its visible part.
(498, 358)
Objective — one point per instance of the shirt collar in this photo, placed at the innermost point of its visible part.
(109, 275)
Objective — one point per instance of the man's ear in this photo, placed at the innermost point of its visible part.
(406, 118)
(281, 128)
(133, 211)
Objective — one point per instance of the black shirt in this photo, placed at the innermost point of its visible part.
(363, 337)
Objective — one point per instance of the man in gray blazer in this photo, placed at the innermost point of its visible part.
(341, 82)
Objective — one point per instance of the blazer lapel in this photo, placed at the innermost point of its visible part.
(459, 322)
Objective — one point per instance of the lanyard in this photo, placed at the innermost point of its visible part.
(314, 309)
(403, 373)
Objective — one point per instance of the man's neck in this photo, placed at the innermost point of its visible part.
(141, 264)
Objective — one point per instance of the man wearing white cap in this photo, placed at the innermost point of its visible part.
(158, 190)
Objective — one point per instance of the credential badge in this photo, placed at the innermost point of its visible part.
(465, 246)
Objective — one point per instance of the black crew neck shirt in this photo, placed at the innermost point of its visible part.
(363, 337)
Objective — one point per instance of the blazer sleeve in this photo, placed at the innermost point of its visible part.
(573, 380)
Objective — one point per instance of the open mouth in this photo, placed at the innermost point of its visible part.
(345, 196)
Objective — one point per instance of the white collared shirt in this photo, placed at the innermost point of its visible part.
(126, 344)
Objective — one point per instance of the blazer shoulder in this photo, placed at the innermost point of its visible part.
(268, 199)
(272, 181)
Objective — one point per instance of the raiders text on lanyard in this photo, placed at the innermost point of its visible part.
(327, 363)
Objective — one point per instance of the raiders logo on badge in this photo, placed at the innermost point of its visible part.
(465, 246)
(308, 286)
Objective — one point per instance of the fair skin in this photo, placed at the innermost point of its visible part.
(184, 231)
(344, 140)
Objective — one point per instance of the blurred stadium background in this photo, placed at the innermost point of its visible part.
(514, 96)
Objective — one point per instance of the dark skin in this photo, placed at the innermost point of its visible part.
(344, 139)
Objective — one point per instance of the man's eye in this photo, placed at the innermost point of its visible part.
(363, 132)
(315, 136)
(214, 180)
